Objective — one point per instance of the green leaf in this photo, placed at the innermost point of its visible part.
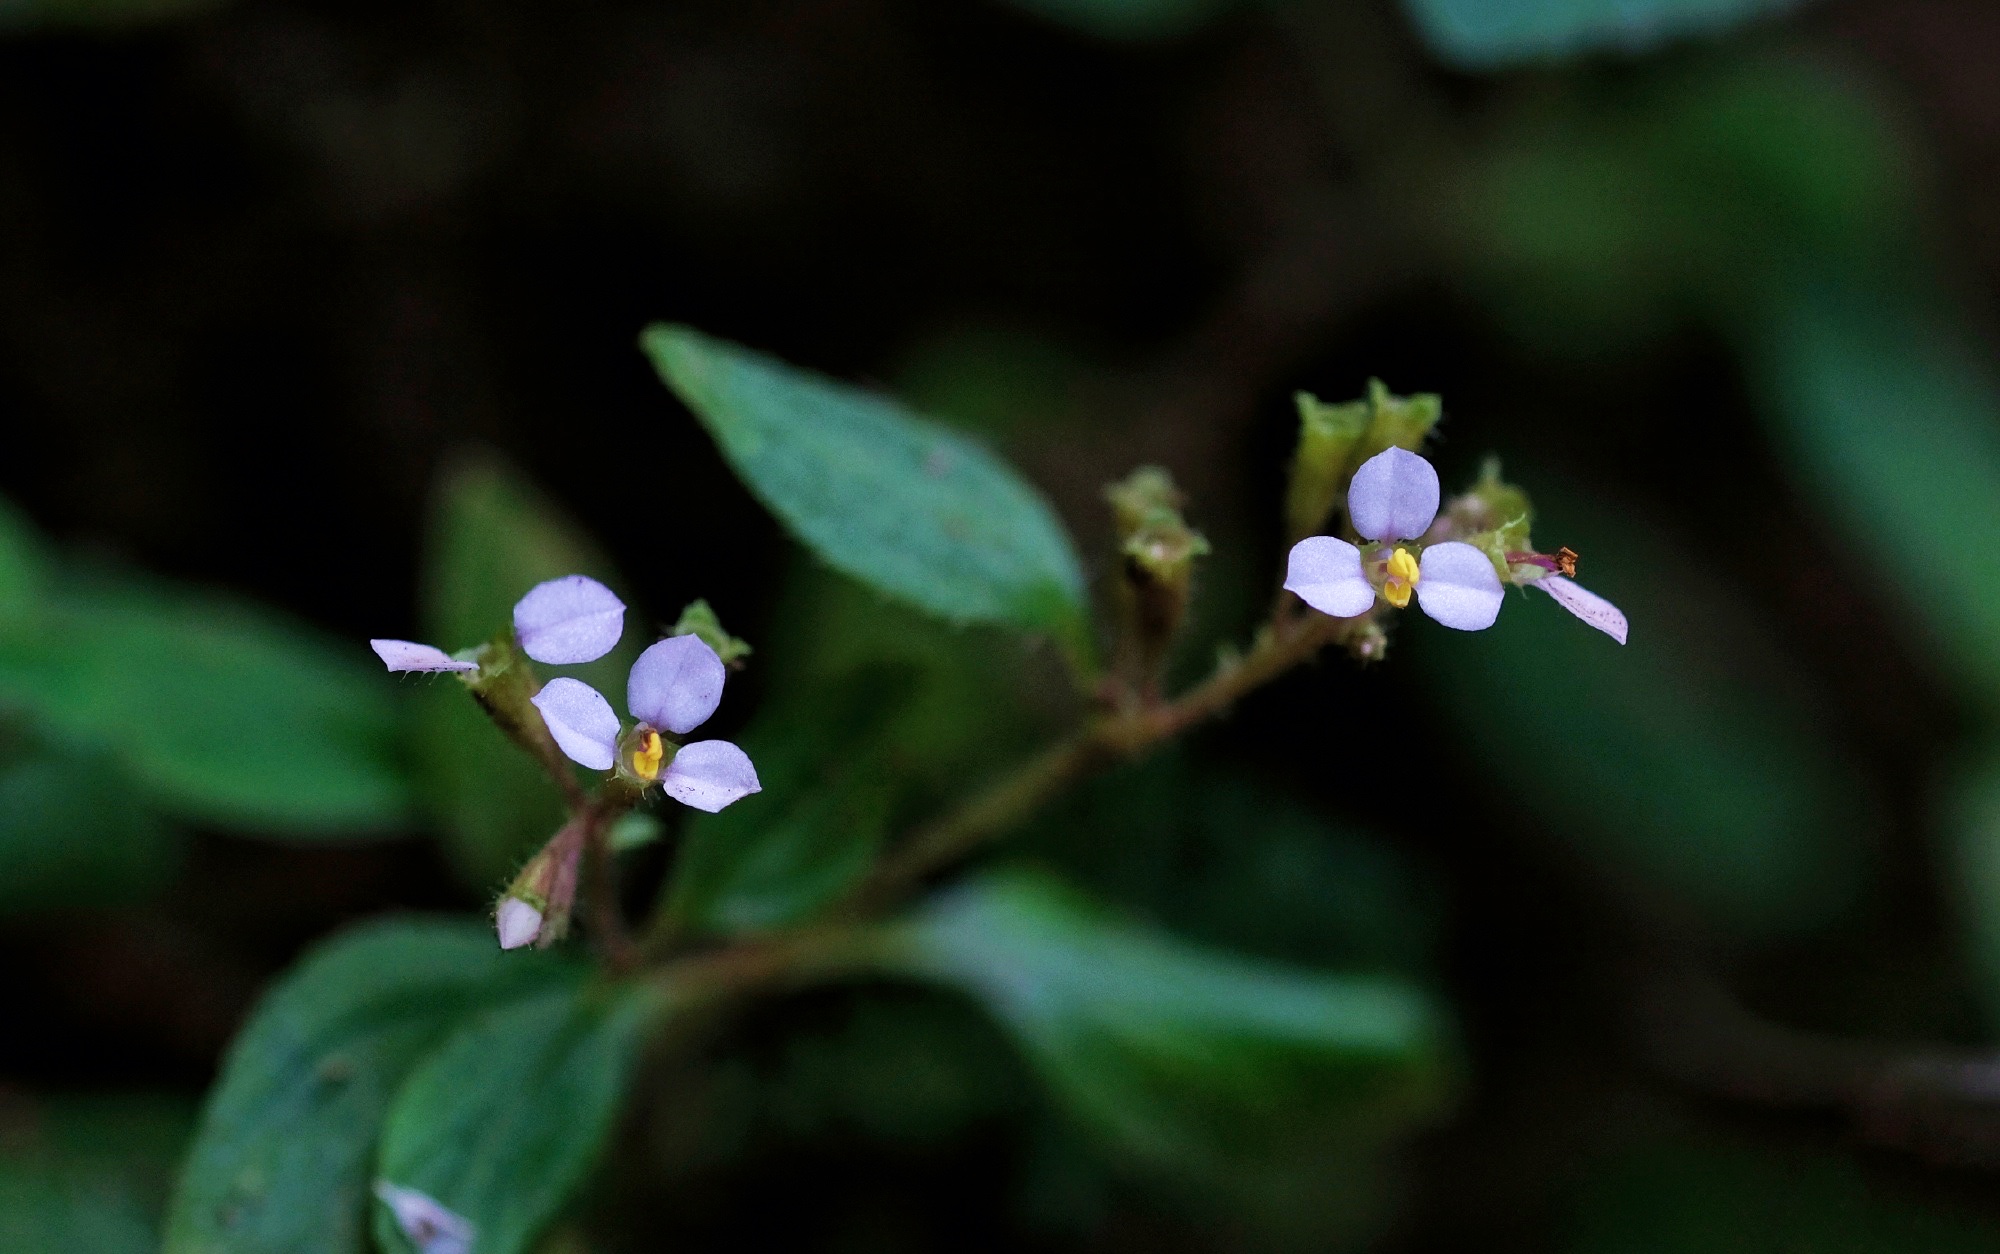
(72, 835)
(493, 536)
(282, 1164)
(501, 1123)
(1127, 19)
(831, 785)
(1692, 766)
(1887, 409)
(1487, 34)
(897, 501)
(225, 712)
(88, 1175)
(24, 565)
(1181, 1057)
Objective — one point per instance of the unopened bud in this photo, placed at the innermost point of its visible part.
(1496, 518)
(517, 922)
(1158, 550)
(700, 621)
(1335, 439)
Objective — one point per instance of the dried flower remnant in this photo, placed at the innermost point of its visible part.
(1394, 499)
(429, 1226)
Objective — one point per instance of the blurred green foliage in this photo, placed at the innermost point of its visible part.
(1487, 34)
(87, 1175)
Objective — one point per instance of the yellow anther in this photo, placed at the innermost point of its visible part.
(646, 758)
(1402, 577)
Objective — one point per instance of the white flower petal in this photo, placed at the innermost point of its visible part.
(709, 774)
(1326, 574)
(568, 620)
(1394, 496)
(675, 684)
(1585, 604)
(517, 923)
(430, 1227)
(581, 720)
(1458, 586)
(408, 655)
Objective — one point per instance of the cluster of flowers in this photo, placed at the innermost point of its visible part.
(673, 687)
(1394, 498)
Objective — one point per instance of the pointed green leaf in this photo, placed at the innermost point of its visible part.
(501, 1123)
(895, 500)
(1180, 1056)
(284, 1160)
(225, 712)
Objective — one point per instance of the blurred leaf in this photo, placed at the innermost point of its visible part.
(1607, 213)
(283, 1161)
(106, 14)
(71, 834)
(1487, 34)
(1691, 763)
(24, 564)
(897, 501)
(1183, 1058)
(1127, 19)
(1694, 1198)
(996, 381)
(87, 1175)
(493, 536)
(1972, 868)
(227, 713)
(1232, 861)
(831, 787)
(1888, 410)
(500, 1124)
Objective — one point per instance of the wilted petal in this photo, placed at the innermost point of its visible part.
(568, 620)
(1394, 496)
(581, 720)
(709, 774)
(675, 684)
(428, 1225)
(1458, 586)
(1326, 574)
(517, 923)
(408, 655)
(1585, 604)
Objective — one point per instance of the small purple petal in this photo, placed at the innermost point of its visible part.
(1394, 496)
(430, 1227)
(1457, 586)
(709, 774)
(568, 620)
(408, 655)
(1585, 604)
(517, 923)
(675, 684)
(581, 720)
(1326, 574)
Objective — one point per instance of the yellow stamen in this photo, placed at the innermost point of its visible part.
(1402, 577)
(646, 758)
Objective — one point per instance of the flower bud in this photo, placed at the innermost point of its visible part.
(536, 906)
(1158, 550)
(1494, 517)
(699, 620)
(1335, 439)
(517, 922)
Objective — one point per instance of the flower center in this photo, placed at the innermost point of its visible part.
(1402, 577)
(646, 758)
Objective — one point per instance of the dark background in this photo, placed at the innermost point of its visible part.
(265, 270)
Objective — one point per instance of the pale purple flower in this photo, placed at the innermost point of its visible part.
(1395, 497)
(429, 1226)
(561, 622)
(674, 686)
(569, 620)
(408, 655)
